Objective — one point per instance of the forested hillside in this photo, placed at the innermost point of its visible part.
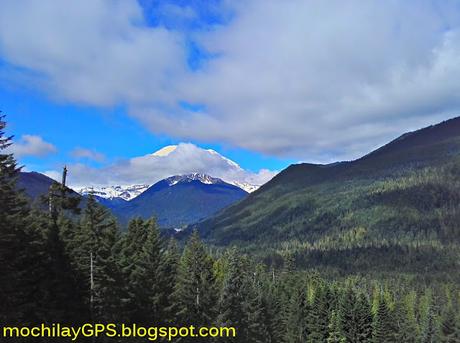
(395, 209)
(56, 267)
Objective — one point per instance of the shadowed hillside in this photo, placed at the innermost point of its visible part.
(400, 203)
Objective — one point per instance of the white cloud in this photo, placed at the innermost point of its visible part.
(96, 52)
(185, 159)
(30, 145)
(82, 153)
(303, 78)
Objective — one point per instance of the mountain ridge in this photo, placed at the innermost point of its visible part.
(402, 195)
(179, 200)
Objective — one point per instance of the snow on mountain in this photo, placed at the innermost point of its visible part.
(232, 178)
(203, 178)
(229, 161)
(209, 180)
(165, 151)
(111, 192)
(127, 178)
(246, 186)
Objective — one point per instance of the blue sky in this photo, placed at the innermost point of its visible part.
(266, 83)
(109, 130)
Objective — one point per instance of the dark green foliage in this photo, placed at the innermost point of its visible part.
(195, 292)
(335, 330)
(363, 320)
(430, 332)
(319, 315)
(295, 317)
(232, 307)
(382, 331)
(92, 251)
(62, 298)
(395, 210)
(141, 261)
(450, 326)
(257, 316)
(405, 321)
(66, 267)
(20, 247)
(167, 279)
(355, 316)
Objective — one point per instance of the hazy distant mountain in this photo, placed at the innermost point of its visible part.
(179, 200)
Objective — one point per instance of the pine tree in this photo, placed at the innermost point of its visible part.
(195, 294)
(318, 316)
(349, 312)
(141, 262)
(168, 278)
(62, 298)
(108, 281)
(355, 315)
(20, 247)
(382, 326)
(257, 315)
(233, 297)
(275, 315)
(145, 281)
(92, 251)
(405, 320)
(295, 316)
(363, 320)
(430, 334)
(335, 330)
(450, 329)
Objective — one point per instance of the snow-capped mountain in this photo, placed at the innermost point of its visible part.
(203, 178)
(246, 186)
(178, 200)
(234, 177)
(127, 179)
(112, 192)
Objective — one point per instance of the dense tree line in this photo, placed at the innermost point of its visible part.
(72, 266)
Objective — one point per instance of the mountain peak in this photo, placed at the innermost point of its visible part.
(203, 178)
(112, 192)
(165, 151)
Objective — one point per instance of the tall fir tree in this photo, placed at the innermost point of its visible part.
(335, 330)
(450, 326)
(93, 257)
(403, 315)
(257, 330)
(295, 316)
(355, 316)
(233, 297)
(145, 279)
(63, 299)
(21, 248)
(382, 331)
(168, 278)
(319, 314)
(195, 293)
(364, 319)
(430, 330)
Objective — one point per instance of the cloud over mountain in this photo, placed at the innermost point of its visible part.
(308, 79)
(184, 158)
